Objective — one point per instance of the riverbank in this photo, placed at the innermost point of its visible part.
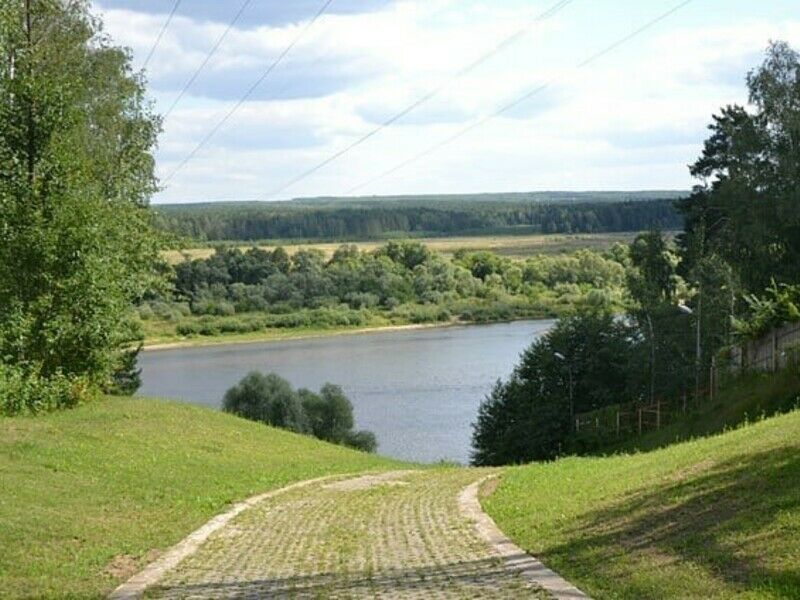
(280, 335)
(174, 342)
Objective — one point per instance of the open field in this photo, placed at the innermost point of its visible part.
(713, 518)
(91, 494)
(513, 246)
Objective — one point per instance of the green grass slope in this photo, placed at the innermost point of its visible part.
(89, 494)
(712, 518)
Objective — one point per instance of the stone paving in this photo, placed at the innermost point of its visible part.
(393, 535)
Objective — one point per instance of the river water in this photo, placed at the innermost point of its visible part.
(417, 390)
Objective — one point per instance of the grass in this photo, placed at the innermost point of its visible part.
(89, 493)
(717, 517)
(513, 246)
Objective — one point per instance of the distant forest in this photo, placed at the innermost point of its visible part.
(377, 218)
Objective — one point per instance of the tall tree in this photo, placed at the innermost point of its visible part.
(747, 207)
(76, 173)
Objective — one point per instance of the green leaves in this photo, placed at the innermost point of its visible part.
(78, 248)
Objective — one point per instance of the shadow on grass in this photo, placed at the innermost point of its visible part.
(480, 578)
(722, 518)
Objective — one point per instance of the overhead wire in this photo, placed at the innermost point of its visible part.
(504, 43)
(161, 34)
(520, 99)
(208, 57)
(249, 92)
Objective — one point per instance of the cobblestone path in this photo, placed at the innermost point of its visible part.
(394, 535)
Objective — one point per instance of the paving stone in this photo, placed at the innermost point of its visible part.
(397, 535)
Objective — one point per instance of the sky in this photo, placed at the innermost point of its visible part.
(632, 119)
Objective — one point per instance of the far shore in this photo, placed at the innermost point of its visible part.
(300, 334)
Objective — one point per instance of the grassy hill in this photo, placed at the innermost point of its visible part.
(717, 517)
(89, 494)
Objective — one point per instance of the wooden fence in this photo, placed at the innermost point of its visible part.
(774, 351)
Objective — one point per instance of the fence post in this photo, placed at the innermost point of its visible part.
(712, 378)
(617, 422)
(774, 350)
(577, 424)
(640, 421)
(658, 414)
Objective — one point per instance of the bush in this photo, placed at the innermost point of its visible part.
(23, 392)
(362, 440)
(269, 399)
(210, 306)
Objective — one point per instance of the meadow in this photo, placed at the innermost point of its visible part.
(511, 246)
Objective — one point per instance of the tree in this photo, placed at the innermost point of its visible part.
(269, 399)
(330, 413)
(76, 243)
(747, 207)
(581, 364)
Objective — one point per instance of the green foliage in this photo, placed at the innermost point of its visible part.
(361, 440)
(398, 283)
(127, 378)
(746, 209)
(24, 392)
(270, 399)
(330, 413)
(76, 244)
(581, 364)
(780, 304)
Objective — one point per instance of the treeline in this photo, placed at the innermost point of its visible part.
(403, 282)
(380, 219)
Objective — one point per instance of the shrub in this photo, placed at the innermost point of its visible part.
(327, 415)
(269, 399)
(145, 312)
(24, 392)
(362, 440)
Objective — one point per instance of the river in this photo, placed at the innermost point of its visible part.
(417, 390)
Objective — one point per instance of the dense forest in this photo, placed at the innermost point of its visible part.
(332, 219)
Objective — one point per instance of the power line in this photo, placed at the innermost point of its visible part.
(505, 42)
(161, 34)
(211, 53)
(249, 92)
(526, 96)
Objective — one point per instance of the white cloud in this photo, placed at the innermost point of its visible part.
(633, 119)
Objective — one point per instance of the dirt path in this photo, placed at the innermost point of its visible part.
(403, 534)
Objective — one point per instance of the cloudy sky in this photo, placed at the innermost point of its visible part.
(632, 119)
